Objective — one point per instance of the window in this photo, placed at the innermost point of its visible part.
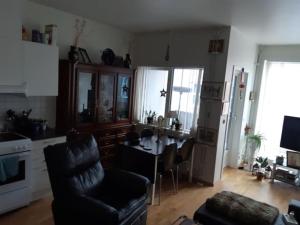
(182, 98)
(185, 95)
(279, 97)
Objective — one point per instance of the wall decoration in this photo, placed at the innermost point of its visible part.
(207, 136)
(51, 30)
(163, 93)
(216, 46)
(79, 28)
(212, 90)
(84, 56)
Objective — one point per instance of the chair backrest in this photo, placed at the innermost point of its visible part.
(186, 149)
(74, 168)
(132, 136)
(147, 132)
(169, 156)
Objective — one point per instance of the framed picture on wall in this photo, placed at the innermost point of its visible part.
(212, 90)
(207, 136)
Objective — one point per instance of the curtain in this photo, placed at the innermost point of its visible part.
(139, 86)
(279, 96)
(148, 84)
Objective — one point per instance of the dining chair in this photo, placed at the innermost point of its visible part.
(167, 164)
(132, 136)
(146, 132)
(184, 155)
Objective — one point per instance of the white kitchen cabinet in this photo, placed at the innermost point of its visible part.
(11, 62)
(40, 180)
(40, 69)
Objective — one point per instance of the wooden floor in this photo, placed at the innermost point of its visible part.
(185, 202)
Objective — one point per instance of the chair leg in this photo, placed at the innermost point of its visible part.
(173, 180)
(160, 181)
(177, 174)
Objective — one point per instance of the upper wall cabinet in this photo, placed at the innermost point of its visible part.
(11, 19)
(40, 69)
(11, 66)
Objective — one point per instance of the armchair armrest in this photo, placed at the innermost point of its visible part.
(130, 181)
(294, 205)
(93, 210)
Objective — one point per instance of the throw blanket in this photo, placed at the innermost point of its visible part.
(242, 210)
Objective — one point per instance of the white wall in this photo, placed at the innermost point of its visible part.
(242, 53)
(189, 48)
(96, 36)
(280, 53)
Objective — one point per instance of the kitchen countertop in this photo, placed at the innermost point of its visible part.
(49, 133)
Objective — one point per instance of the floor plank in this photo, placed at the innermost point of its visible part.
(185, 202)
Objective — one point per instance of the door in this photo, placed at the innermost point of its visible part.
(86, 96)
(235, 130)
(123, 100)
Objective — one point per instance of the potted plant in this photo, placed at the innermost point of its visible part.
(150, 116)
(177, 124)
(254, 141)
(262, 168)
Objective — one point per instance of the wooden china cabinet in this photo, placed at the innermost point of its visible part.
(96, 99)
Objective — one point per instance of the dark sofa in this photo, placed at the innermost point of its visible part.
(86, 194)
(228, 208)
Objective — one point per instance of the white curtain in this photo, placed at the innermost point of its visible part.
(280, 94)
(148, 84)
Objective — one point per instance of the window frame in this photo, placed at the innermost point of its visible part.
(170, 82)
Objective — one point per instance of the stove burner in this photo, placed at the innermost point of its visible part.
(4, 137)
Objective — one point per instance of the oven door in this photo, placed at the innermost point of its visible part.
(22, 179)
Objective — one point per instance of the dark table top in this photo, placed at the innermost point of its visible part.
(152, 146)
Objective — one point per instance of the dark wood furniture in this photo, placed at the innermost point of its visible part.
(143, 158)
(96, 99)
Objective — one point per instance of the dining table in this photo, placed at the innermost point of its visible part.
(142, 156)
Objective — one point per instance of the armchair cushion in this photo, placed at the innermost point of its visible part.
(93, 209)
(130, 182)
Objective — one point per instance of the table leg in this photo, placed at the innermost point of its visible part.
(191, 167)
(154, 179)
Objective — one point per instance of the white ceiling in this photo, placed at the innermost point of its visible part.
(265, 21)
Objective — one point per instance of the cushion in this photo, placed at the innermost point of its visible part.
(122, 202)
(241, 209)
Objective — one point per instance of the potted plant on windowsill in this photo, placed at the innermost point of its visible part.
(177, 124)
(150, 116)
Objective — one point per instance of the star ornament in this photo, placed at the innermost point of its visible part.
(163, 93)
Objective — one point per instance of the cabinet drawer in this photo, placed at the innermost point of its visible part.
(105, 133)
(106, 141)
(107, 150)
(123, 130)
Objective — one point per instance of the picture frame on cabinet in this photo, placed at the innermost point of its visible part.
(84, 57)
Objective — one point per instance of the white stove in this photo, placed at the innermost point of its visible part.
(15, 187)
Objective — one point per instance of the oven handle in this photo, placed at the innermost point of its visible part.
(20, 154)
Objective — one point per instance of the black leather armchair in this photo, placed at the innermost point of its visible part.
(86, 194)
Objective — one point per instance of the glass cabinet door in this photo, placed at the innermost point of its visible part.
(85, 97)
(123, 97)
(106, 98)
